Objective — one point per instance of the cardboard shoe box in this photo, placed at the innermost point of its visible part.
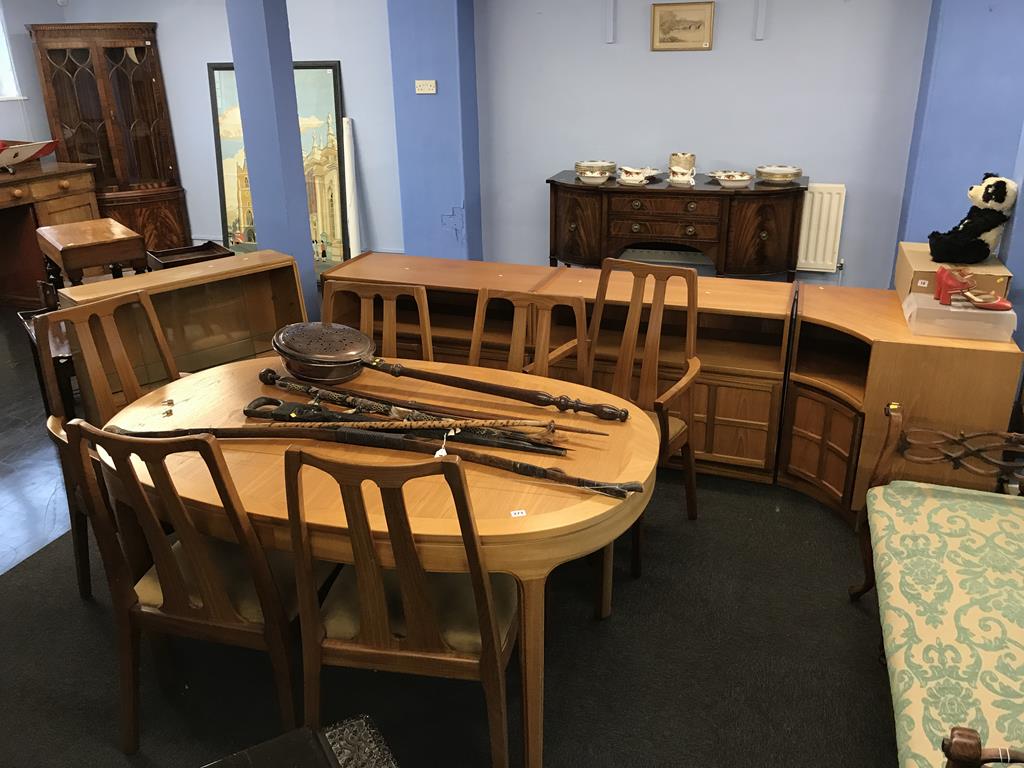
(915, 272)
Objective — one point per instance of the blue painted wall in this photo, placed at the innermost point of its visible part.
(970, 111)
(437, 135)
(832, 87)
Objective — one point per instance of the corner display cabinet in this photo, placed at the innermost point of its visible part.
(105, 101)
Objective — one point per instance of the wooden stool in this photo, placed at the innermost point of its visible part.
(97, 243)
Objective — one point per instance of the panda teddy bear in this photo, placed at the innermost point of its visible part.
(976, 236)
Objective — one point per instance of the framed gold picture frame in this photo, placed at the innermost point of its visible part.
(682, 26)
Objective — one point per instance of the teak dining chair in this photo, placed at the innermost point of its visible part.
(92, 327)
(540, 307)
(389, 295)
(672, 411)
(402, 619)
(198, 587)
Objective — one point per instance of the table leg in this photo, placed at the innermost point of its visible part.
(531, 661)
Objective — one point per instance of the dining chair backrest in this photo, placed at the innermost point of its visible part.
(423, 632)
(389, 294)
(622, 383)
(200, 595)
(94, 329)
(540, 307)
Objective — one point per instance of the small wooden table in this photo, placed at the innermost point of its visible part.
(97, 243)
(561, 523)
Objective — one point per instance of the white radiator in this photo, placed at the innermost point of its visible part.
(821, 227)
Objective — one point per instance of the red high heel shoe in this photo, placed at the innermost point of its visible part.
(950, 282)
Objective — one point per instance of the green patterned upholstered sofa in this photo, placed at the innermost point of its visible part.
(949, 567)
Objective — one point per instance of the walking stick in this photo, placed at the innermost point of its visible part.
(370, 439)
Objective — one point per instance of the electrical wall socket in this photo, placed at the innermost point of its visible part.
(426, 86)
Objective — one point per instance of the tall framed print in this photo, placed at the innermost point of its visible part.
(318, 97)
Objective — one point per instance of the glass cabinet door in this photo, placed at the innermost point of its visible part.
(82, 127)
(139, 117)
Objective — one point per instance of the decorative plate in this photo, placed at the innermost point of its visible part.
(778, 173)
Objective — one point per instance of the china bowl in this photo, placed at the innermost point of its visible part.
(593, 178)
(778, 174)
(598, 166)
(734, 179)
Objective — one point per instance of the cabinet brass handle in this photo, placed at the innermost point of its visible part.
(764, 234)
(17, 193)
(572, 226)
(635, 227)
(691, 206)
(691, 230)
(636, 205)
(64, 184)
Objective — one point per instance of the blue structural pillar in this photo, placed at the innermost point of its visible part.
(273, 149)
(438, 135)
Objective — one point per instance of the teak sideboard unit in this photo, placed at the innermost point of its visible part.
(212, 313)
(749, 231)
(37, 195)
(852, 354)
(800, 402)
(742, 334)
(105, 100)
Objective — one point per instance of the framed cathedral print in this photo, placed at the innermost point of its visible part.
(319, 101)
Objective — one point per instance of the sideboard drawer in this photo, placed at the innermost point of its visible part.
(62, 185)
(677, 230)
(670, 205)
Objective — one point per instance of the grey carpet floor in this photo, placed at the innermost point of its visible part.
(737, 647)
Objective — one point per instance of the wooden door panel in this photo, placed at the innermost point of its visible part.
(577, 226)
(740, 446)
(834, 473)
(840, 433)
(820, 445)
(761, 234)
(743, 403)
(803, 457)
(735, 420)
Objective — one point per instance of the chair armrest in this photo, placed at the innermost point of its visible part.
(661, 404)
(556, 355)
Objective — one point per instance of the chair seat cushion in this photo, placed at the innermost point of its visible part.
(452, 595)
(675, 426)
(238, 582)
(949, 564)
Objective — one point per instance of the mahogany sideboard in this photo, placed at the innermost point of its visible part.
(37, 195)
(794, 377)
(749, 231)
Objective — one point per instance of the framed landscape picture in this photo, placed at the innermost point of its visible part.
(319, 101)
(682, 26)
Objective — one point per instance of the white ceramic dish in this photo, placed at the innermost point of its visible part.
(636, 176)
(719, 174)
(593, 179)
(632, 182)
(681, 181)
(734, 183)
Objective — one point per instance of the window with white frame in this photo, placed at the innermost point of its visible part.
(8, 80)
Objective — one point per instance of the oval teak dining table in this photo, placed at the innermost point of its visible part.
(560, 523)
